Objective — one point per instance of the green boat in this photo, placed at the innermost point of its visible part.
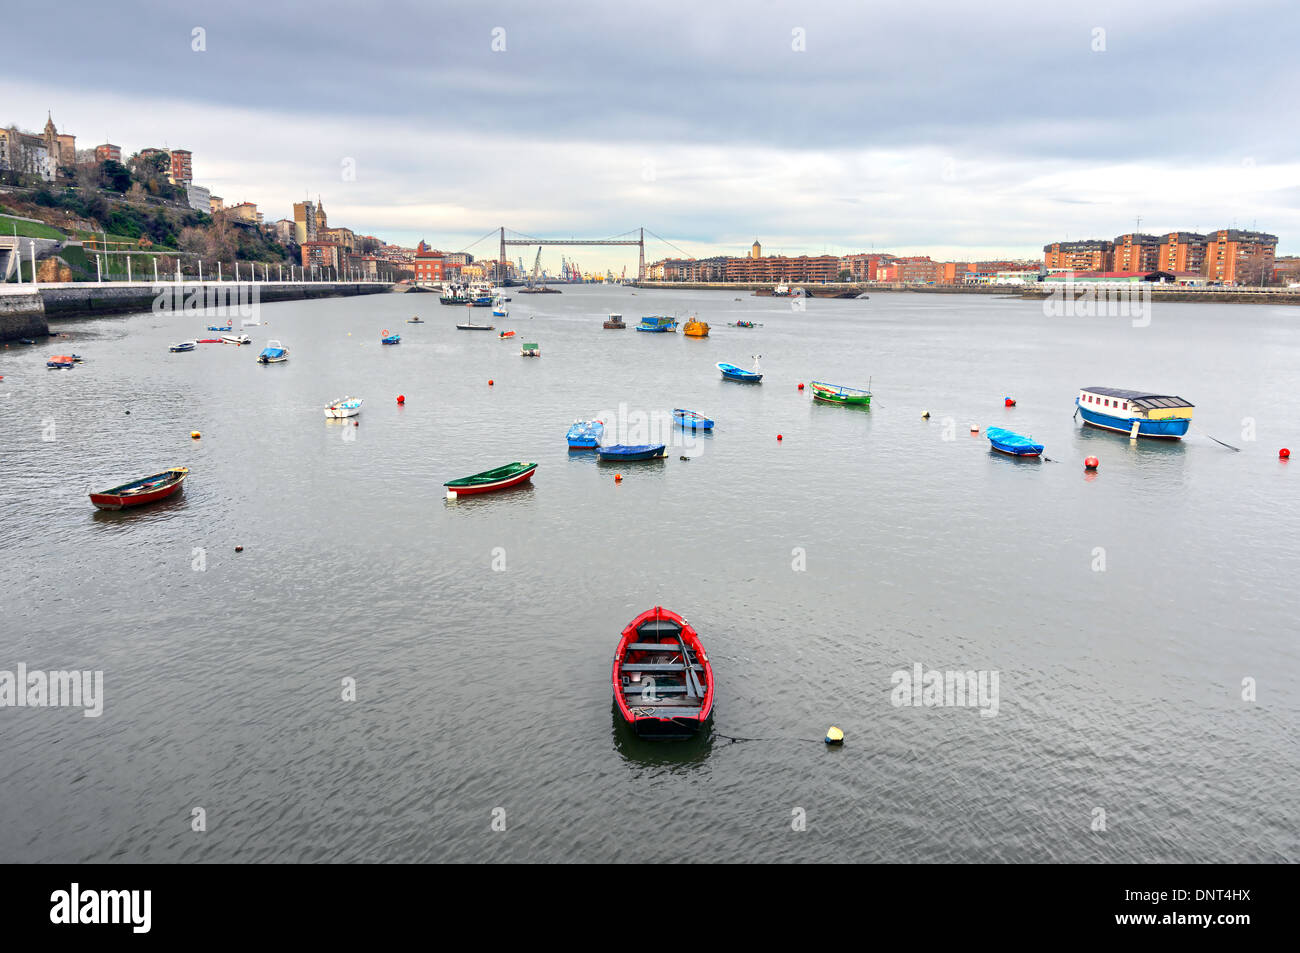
(511, 474)
(837, 394)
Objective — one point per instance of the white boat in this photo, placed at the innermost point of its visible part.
(184, 346)
(273, 353)
(344, 407)
(499, 309)
(236, 339)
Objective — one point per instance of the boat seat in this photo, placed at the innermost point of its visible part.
(659, 667)
(636, 688)
(659, 627)
(654, 647)
(670, 710)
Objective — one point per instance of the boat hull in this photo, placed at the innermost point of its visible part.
(618, 454)
(691, 420)
(116, 499)
(475, 327)
(1172, 429)
(733, 373)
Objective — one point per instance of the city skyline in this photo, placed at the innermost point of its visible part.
(711, 130)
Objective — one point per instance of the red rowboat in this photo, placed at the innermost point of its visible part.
(512, 474)
(145, 490)
(663, 682)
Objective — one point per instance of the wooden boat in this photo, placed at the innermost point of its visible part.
(657, 324)
(344, 407)
(733, 373)
(530, 349)
(60, 361)
(695, 328)
(1134, 412)
(691, 420)
(838, 394)
(662, 678)
(585, 434)
(273, 353)
(631, 452)
(145, 490)
(614, 322)
(512, 474)
(183, 346)
(390, 338)
(1012, 443)
(415, 320)
(236, 339)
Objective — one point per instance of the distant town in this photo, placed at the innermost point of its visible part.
(96, 203)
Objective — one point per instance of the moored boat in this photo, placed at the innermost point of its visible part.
(389, 338)
(344, 407)
(691, 420)
(499, 309)
(416, 319)
(273, 353)
(695, 328)
(632, 452)
(733, 373)
(530, 349)
(657, 324)
(183, 346)
(742, 324)
(512, 474)
(1012, 443)
(60, 361)
(236, 339)
(506, 334)
(585, 434)
(838, 394)
(214, 327)
(471, 326)
(662, 678)
(144, 490)
(1135, 412)
(614, 322)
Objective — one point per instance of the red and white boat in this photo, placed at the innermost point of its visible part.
(148, 489)
(512, 474)
(663, 682)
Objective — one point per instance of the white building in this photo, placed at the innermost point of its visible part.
(199, 198)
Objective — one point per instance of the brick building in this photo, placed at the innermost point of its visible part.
(1236, 256)
(1135, 252)
(1090, 255)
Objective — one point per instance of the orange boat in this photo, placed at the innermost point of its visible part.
(507, 334)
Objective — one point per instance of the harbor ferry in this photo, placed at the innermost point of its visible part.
(1135, 412)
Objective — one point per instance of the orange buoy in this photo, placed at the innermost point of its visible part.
(801, 386)
(195, 435)
(618, 478)
(401, 398)
(1091, 463)
(1008, 402)
(490, 383)
(1284, 454)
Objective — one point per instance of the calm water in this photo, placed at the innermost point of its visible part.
(480, 632)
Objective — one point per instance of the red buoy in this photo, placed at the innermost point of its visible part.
(401, 398)
(1007, 401)
(1091, 463)
(618, 478)
(801, 386)
(779, 437)
(490, 383)
(1284, 454)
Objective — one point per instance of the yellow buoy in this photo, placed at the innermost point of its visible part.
(195, 434)
(834, 736)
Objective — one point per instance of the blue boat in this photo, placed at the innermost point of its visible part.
(481, 301)
(585, 434)
(183, 347)
(273, 353)
(213, 327)
(1009, 442)
(657, 323)
(624, 452)
(390, 338)
(1134, 412)
(691, 420)
(733, 373)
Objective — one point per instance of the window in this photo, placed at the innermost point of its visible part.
(1126, 405)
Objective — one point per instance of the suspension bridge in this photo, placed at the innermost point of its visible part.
(636, 236)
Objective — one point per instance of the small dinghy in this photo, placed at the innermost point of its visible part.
(273, 353)
(663, 681)
(512, 474)
(622, 452)
(214, 327)
(389, 338)
(585, 434)
(691, 420)
(183, 346)
(506, 334)
(344, 407)
(236, 339)
(1011, 443)
(60, 361)
(138, 492)
(414, 320)
(733, 373)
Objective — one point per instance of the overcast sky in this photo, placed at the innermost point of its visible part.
(959, 130)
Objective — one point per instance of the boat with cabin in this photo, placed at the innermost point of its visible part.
(695, 328)
(236, 339)
(585, 434)
(657, 324)
(1135, 412)
(614, 322)
(662, 678)
(273, 353)
(621, 452)
(148, 489)
(512, 474)
(60, 361)
(1012, 443)
(839, 394)
(344, 407)
(691, 420)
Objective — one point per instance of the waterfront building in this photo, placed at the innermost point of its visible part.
(1240, 257)
(321, 255)
(107, 152)
(199, 198)
(428, 264)
(1182, 251)
(1090, 255)
(1135, 252)
(304, 221)
(863, 266)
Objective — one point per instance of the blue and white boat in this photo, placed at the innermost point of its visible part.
(585, 434)
(691, 420)
(626, 452)
(499, 309)
(390, 338)
(1135, 412)
(184, 346)
(1013, 444)
(733, 373)
(228, 327)
(273, 353)
(657, 324)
